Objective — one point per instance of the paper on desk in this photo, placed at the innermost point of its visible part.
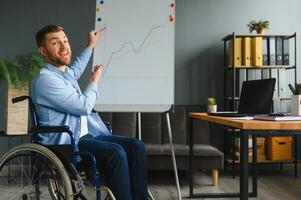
(243, 118)
(278, 118)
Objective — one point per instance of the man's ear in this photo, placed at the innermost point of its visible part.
(42, 51)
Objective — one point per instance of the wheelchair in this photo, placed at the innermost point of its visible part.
(35, 171)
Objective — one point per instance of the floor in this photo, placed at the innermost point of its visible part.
(273, 184)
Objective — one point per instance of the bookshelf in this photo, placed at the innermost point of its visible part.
(268, 45)
(233, 73)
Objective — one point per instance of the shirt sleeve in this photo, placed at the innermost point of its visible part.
(78, 66)
(60, 95)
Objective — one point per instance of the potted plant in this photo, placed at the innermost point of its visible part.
(259, 26)
(15, 76)
(295, 99)
(211, 105)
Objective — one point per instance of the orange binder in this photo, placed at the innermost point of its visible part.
(237, 54)
(246, 51)
(257, 51)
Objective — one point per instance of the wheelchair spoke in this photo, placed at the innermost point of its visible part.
(31, 166)
(23, 170)
(24, 174)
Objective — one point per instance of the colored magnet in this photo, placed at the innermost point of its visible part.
(99, 19)
(171, 18)
(172, 5)
(101, 2)
(98, 9)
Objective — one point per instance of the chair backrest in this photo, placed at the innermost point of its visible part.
(33, 118)
(33, 113)
(32, 110)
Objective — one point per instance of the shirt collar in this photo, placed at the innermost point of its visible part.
(55, 69)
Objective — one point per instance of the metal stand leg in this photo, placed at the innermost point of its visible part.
(140, 137)
(151, 197)
(173, 156)
(109, 193)
(172, 153)
(139, 125)
(190, 158)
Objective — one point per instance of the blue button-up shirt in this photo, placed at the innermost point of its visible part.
(59, 101)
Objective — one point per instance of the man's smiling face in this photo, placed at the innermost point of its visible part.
(56, 49)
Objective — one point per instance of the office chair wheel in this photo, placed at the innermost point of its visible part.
(27, 171)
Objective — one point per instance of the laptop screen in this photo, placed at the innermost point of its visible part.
(257, 96)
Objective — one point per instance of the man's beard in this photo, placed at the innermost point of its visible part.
(57, 61)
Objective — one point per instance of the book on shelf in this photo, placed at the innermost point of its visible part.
(257, 51)
(272, 51)
(286, 56)
(247, 51)
(278, 118)
(235, 48)
(279, 51)
(265, 55)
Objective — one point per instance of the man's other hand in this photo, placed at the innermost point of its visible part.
(95, 73)
(93, 38)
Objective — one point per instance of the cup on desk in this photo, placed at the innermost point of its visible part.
(296, 105)
(211, 108)
(211, 105)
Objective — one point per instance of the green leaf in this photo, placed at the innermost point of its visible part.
(21, 70)
(4, 73)
(292, 88)
(253, 25)
(211, 101)
(13, 73)
(296, 90)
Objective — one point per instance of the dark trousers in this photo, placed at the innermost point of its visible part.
(122, 160)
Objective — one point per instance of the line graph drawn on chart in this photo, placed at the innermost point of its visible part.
(127, 48)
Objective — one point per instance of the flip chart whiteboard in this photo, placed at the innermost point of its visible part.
(136, 46)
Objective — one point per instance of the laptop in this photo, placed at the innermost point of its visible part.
(256, 98)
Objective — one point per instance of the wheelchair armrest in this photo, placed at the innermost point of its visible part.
(53, 130)
(49, 129)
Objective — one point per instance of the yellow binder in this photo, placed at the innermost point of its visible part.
(237, 54)
(246, 51)
(257, 51)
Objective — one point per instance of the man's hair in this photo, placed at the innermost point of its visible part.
(40, 35)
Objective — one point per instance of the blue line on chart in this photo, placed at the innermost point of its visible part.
(132, 46)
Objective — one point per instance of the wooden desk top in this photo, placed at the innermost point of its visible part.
(247, 124)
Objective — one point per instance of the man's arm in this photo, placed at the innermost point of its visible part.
(81, 61)
(59, 95)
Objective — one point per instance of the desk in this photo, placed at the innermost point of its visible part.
(247, 127)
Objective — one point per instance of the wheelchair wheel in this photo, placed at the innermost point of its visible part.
(27, 170)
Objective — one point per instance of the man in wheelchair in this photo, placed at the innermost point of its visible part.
(59, 101)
